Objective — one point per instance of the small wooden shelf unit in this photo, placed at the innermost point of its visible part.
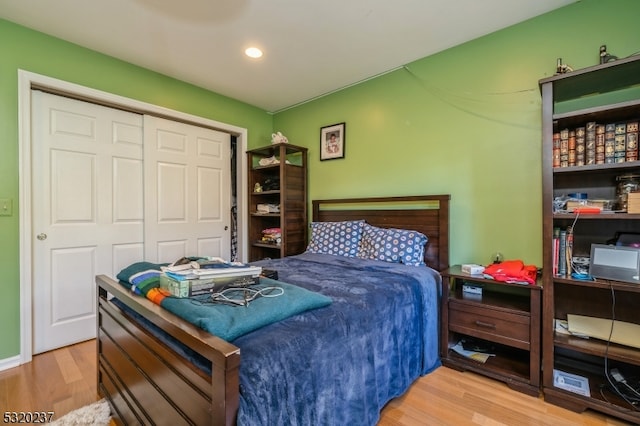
(290, 173)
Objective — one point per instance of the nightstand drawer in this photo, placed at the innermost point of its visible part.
(490, 324)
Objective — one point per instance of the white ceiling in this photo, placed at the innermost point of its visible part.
(311, 47)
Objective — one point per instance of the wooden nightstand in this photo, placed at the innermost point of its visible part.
(505, 319)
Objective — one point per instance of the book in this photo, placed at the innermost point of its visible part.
(556, 250)
(564, 148)
(632, 141)
(569, 250)
(572, 148)
(600, 137)
(556, 149)
(590, 142)
(562, 254)
(580, 146)
(620, 143)
(609, 143)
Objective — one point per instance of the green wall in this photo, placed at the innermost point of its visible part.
(465, 122)
(35, 52)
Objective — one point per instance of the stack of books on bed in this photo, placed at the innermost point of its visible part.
(206, 277)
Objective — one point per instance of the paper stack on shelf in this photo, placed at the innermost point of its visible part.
(562, 327)
(476, 356)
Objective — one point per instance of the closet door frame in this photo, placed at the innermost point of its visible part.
(26, 82)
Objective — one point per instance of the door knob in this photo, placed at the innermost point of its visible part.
(42, 237)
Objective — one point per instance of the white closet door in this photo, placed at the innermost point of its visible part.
(187, 191)
(87, 190)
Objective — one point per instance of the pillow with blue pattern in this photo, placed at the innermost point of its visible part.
(337, 238)
(392, 245)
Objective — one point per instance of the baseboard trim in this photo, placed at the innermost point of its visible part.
(8, 363)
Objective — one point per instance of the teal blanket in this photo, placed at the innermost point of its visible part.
(230, 322)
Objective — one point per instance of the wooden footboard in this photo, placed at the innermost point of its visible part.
(147, 382)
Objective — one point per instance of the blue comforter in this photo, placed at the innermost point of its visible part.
(339, 365)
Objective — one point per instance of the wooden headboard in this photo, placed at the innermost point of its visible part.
(428, 214)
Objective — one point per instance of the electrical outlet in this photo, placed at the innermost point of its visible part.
(6, 208)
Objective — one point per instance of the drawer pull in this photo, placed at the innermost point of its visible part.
(485, 324)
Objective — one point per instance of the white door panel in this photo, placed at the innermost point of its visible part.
(124, 255)
(71, 269)
(171, 193)
(128, 199)
(167, 250)
(87, 190)
(187, 191)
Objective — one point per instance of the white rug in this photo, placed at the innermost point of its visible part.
(96, 414)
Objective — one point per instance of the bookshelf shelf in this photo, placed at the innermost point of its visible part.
(599, 216)
(266, 245)
(598, 348)
(605, 168)
(601, 98)
(265, 193)
(605, 284)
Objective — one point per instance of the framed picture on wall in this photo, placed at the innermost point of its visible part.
(332, 141)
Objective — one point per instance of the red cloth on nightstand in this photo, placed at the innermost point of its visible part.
(512, 271)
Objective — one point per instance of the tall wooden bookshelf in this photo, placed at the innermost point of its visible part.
(602, 94)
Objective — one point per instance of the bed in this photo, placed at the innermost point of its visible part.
(331, 365)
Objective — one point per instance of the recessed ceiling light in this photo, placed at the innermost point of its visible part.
(253, 52)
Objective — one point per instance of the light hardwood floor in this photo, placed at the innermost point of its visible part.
(58, 381)
(450, 397)
(65, 379)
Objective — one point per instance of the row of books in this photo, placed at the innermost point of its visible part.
(562, 251)
(596, 143)
(567, 262)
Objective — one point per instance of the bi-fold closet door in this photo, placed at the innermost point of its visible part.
(109, 188)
